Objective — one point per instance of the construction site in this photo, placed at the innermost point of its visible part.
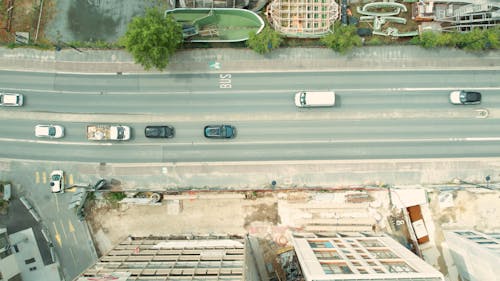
(262, 230)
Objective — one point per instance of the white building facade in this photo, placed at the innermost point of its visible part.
(360, 256)
(476, 254)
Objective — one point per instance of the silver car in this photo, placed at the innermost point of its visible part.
(49, 131)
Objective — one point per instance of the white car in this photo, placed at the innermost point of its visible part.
(465, 97)
(57, 181)
(11, 99)
(49, 131)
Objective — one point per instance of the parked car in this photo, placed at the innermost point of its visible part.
(57, 181)
(219, 131)
(49, 131)
(465, 97)
(159, 132)
(11, 99)
(5, 191)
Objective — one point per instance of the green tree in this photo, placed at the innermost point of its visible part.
(429, 39)
(152, 39)
(474, 40)
(343, 39)
(446, 40)
(493, 38)
(267, 40)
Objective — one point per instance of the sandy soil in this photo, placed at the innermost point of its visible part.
(111, 225)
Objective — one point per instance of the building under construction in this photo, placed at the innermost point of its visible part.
(303, 18)
(459, 15)
(186, 257)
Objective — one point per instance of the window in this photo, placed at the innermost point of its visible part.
(320, 244)
(362, 271)
(486, 242)
(397, 267)
(465, 233)
(327, 255)
(382, 254)
(28, 261)
(371, 243)
(476, 238)
(336, 268)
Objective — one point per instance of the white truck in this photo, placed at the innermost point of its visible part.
(108, 132)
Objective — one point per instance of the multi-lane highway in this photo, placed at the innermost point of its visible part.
(379, 115)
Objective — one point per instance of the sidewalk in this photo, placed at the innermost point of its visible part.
(246, 60)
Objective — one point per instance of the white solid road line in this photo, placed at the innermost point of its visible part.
(233, 142)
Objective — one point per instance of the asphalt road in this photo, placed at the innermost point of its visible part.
(379, 115)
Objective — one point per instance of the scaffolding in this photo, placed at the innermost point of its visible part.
(303, 18)
(175, 257)
(213, 3)
(474, 14)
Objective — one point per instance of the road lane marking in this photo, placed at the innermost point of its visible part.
(231, 142)
(63, 229)
(275, 91)
(73, 256)
(37, 177)
(55, 142)
(70, 180)
(71, 229)
(57, 236)
(44, 177)
(57, 202)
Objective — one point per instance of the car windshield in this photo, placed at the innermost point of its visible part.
(303, 98)
(56, 177)
(52, 131)
(121, 132)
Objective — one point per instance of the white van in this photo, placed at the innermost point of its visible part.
(314, 99)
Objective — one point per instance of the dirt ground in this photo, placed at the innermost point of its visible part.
(111, 225)
(22, 16)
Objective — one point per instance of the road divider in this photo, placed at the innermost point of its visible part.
(302, 115)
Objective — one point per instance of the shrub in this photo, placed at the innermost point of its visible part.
(264, 42)
(343, 39)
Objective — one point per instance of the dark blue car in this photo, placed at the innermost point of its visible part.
(219, 131)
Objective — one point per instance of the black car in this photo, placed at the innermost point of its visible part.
(219, 131)
(159, 132)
